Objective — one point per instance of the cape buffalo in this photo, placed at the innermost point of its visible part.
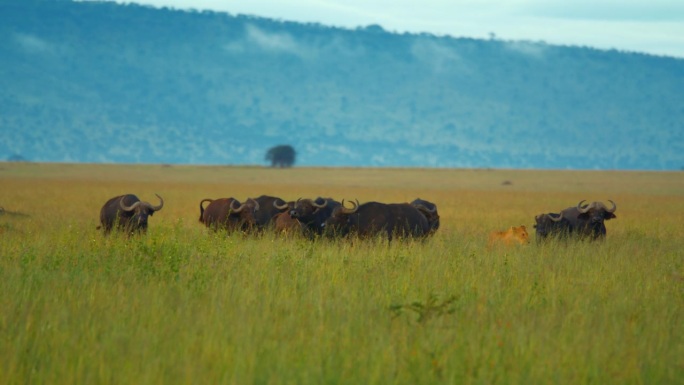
(127, 213)
(269, 207)
(428, 209)
(587, 221)
(511, 236)
(229, 214)
(551, 225)
(283, 223)
(373, 218)
(312, 214)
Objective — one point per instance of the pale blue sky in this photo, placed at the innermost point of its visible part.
(650, 26)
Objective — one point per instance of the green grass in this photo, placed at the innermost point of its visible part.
(186, 305)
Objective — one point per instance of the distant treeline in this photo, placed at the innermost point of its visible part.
(107, 82)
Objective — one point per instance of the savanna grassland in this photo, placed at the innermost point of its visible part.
(184, 305)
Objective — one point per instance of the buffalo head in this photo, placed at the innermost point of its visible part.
(338, 221)
(551, 225)
(428, 209)
(312, 213)
(591, 218)
(306, 208)
(127, 213)
(139, 211)
(587, 220)
(596, 212)
(229, 214)
(245, 211)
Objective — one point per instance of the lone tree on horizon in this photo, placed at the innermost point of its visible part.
(281, 156)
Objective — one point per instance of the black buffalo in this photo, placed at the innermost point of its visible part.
(127, 213)
(229, 214)
(372, 219)
(428, 209)
(588, 221)
(312, 213)
(269, 207)
(552, 225)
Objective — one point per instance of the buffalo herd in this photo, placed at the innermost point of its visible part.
(322, 217)
(326, 217)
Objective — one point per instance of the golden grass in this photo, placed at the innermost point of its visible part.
(186, 305)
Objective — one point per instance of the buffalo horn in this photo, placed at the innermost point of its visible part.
(256, 204)
(234, 209)
(128, 208)
(551, 217)
(280, 207)
(314, 204)
(612, 210)
(582, 210)
(160, 205)
(425, 208)
(355, 206)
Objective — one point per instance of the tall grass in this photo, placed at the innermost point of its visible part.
(187, 305)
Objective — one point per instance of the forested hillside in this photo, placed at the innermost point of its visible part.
(104, 82)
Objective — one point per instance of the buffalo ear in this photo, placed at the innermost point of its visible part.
(610, 216)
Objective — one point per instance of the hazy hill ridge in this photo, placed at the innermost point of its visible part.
(103, 82)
